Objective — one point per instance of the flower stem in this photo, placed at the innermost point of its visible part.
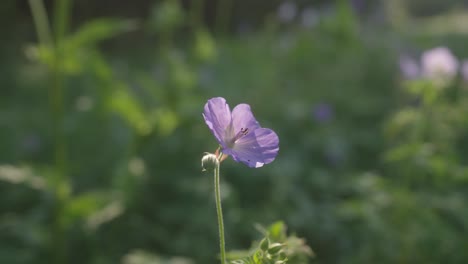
(41, 22)
(220, 213)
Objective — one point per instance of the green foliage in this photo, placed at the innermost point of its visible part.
(142, 257)
(275, 248)
(167, 16)
(371, 169)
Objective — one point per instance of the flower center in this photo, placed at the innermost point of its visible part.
(241, 133)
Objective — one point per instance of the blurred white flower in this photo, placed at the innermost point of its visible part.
(439, 64)
(287, 12)
(409, 67)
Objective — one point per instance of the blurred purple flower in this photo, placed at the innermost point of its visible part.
(409, 67)
(287, 11)
(322, 112)
(239, 134)
(439, 64)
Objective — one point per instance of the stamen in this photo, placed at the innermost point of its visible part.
(241, 133)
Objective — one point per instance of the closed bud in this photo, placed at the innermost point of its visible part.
(209, 162)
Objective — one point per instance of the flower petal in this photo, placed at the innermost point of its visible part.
(243, 118)
(217, 116)
(256, 148)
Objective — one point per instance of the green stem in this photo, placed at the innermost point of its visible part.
(41, 22)
(220, 213)
(62, 10)
(62, 15)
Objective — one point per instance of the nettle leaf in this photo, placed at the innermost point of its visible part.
(128, 107)
(21, 175)
(258, 256)
(86, 206)
(275, 248)
(142, 120)
(277, 231)
(98, 30)
(76, 50)
(139, 256)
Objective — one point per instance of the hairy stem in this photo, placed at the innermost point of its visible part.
(220, 214)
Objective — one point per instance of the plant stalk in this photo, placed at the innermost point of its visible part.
(219, 211)
(41, 22)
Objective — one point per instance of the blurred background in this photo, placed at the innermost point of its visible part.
(101, 132)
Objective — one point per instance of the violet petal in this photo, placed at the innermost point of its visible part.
(218, 117)
(256, 148)
(242, 118)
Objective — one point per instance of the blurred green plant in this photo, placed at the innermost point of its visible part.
(381, 179)
(275, 248)
(142, 257)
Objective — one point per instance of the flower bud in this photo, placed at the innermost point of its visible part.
(209, 162)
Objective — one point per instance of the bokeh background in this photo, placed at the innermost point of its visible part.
(101, 132)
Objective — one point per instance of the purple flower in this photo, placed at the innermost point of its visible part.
(239, 134)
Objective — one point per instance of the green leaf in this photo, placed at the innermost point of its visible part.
(85, 205)
(277, 231)
(123, 103)
(275, 248)
(18, 175)
(257, 257)
(98, 30)
(264, 244)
